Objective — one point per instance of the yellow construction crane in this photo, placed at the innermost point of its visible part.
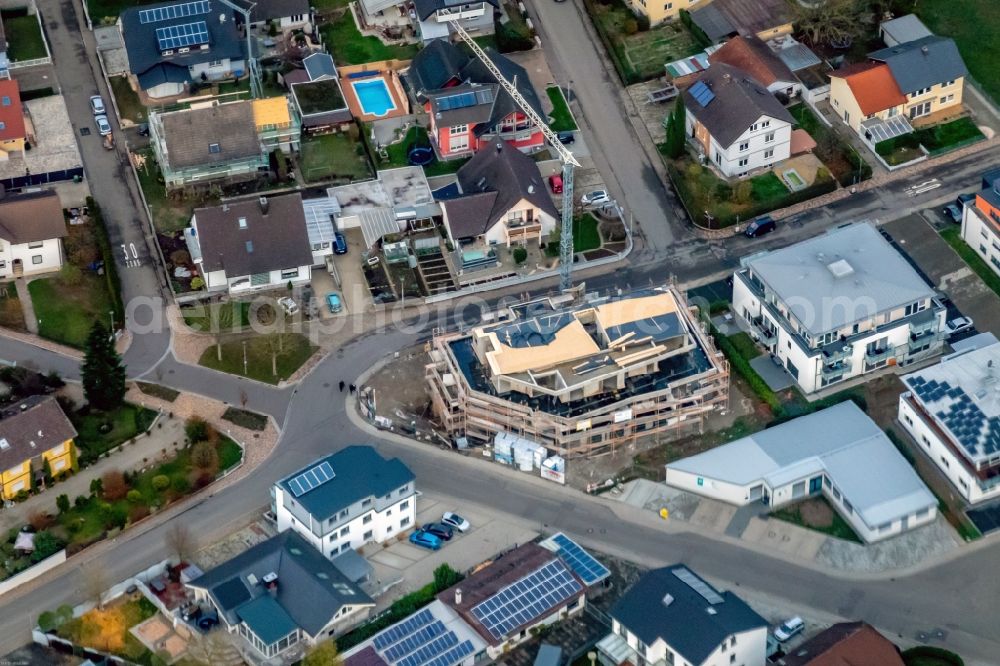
(565, 156)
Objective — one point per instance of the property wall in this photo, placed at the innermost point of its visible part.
(34, 571)
(345, 619)
(931, 443)
(43, 259)
(766, 134)
(980, 233)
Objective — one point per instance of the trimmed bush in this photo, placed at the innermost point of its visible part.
(520, 255)
(133, 496)
(161, 482)
(914, 655)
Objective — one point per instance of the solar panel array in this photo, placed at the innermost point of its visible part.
(157, 14)
(580, 561)
(698, 585)
(465, 99)
(526, 600)
(421, 640)
(978, 434)
(311, 478)
(180, 36)
(702, 93)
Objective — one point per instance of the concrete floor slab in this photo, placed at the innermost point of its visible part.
(782, 537)
(777, 378)
(901, 551)
(713, 515)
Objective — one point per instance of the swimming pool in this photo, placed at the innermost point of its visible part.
(373, 96)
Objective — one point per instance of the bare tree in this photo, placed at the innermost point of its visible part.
(179, 540)
(212, 648)
(833, 22)
(93, 583)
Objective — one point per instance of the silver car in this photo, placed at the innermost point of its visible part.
(103, 126)
(97, 105)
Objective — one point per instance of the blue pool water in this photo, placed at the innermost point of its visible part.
(374, 97)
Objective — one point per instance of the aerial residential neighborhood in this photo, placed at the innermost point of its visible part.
(527, 332)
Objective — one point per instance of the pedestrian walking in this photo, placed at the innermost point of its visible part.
(341, 385)
(353, 389)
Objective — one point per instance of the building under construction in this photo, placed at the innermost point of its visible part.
(580, 378)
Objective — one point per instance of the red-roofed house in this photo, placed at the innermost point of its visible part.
(846, 644)
(754, 57)
(865, 91)
(12, 132)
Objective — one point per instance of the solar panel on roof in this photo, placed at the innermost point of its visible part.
(544, 589)
(453, 656)
(459, 101)
(698, 585)
(180, 36)
(157, 14)
(702, 93)
(580, 561)
(435, 648)
(403, 629)
(409, 644)
(311, 478)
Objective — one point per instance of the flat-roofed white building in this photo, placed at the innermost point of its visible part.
(952, 410)
(838, 452)
(838, 306)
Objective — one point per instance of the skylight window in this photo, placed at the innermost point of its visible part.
(214, 148)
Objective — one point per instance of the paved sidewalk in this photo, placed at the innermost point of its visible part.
(27, 307)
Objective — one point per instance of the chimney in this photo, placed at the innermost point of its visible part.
(222, 17)
(924, 49)
(24, 407)
(264, 205)
(531, 189)
(458, 596)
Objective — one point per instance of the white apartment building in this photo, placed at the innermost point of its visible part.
(952, 411)
(981, 221)
(672, 616)
(346, 500)
(838, 306)
(735, 122)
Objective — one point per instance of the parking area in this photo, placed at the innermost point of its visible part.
(353, 288)
(919, 239)
(487, 537)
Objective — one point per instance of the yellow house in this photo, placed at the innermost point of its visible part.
(865, 91)
(12, 131)
(33, 432)
(659, 11)
(930, 72)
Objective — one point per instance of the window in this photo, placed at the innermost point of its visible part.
(458, 129)
(744, 146)
(643, 648)
(927, 443)
(6, 100)
(718, 158)
(753, 128)
(944, 461)
(402, 490)
(947, 99)
(3, 125)
(743, 162)
(36, 259)
(289, 273)
(847, 507)
(344, 532)
(732, 642)
(768, 153)
(732, 658)
(367, 503)
(766, 123)
(243, 223)
(367, 519)
(404, 505)
(769, 137)
(215, 63)
(368, 535)
(404, 522)
(36, 245)
(342, 515)
(214, 148)
(908, 420)
(332, 537)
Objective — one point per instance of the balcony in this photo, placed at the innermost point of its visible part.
(834, 371)
(837, 351)
(877, 356)
(764, 335)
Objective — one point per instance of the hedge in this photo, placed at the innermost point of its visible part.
(913, 655)
(110, 267)
(742, 366)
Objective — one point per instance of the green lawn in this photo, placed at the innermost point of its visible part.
(350, 47)
(975, 27)
(126, 422)
(230, 453)
(838, 527)
(226, 317)
(767, 187)
(295, 350)
(562, 119)
(110, 9)
(585, 234)
(333, 156)
(398, 151)
(948, 136)
(327, 5)
(230, 87)
(953, 236)
(899, 150)
(745, 346)
(66, 312)
(127, 100)
(642, 55)
(25, 41)
(839, 158)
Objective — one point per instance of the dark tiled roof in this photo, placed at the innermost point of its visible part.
(190, 134)
(28, 218)
(922, 63)
(271, 241)
(365, 657)
(713, 22)
(310, 589)
(360, 472)
(747, 17)
(143, 48)
(39, 426)
(425, 8)
(739, 101)
(319, 65)
(755, 58)
(845, 644)
(685, 623)
(266, 10)
(435, 65)
(509, 173)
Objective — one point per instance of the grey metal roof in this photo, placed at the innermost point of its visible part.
(360, 472)
(842, 442)
(319, 218)
(922, 63)
(798, 56)
(319, 65)
(310, 589)
(873, 277)
(353, 566)
(962, 396)
(143, 48)
(713, 22)
(690, 624)
(906, 28)
(739, 101)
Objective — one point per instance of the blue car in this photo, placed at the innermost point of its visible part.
(339, 243)
(425, 540)
(333, 303)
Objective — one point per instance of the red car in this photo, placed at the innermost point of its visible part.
(555, 182)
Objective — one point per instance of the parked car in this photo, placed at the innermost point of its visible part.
(555, 182)
(789, 628)
(440, 530)
(595, 198)
(565, 137)
(958, 324)
(333, 303)
(953, 213)
(425, 540)
(456, 521)
(97, 106)
(339, 243)
(103, 126)
(762, 225)
(288, 305)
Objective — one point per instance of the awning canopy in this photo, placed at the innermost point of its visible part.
(876, 130)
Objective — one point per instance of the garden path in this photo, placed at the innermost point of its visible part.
(30, 320)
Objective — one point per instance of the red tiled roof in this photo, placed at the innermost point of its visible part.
(11, 113)
(755, 58)
(872, 85)
(846, 644)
